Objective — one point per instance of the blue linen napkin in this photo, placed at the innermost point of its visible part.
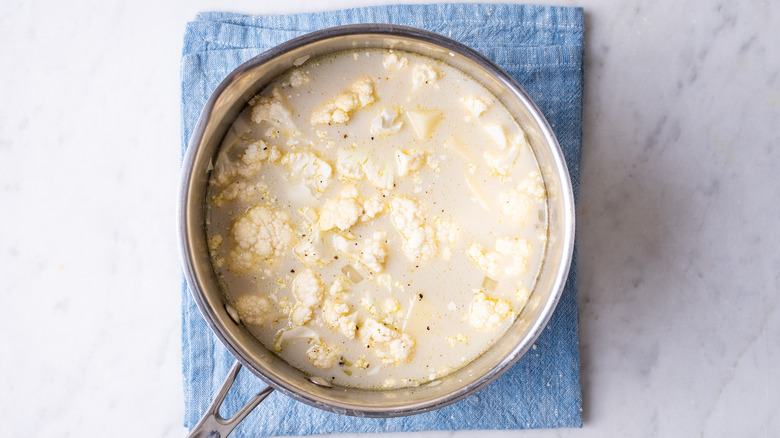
(542, 48)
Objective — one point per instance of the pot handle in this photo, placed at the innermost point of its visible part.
(212, 425)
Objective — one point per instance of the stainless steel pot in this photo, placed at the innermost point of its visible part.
(222, 107)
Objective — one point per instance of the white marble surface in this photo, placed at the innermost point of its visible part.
(678, 218)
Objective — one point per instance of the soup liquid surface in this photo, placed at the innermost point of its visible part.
(376, 218)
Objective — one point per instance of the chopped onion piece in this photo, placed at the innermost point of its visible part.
(309, 214)
(352, 274)
(488, 284)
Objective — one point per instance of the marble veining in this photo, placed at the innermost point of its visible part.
(677, 219)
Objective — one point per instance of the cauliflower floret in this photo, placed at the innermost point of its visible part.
(322, 355)
(408, 161)
(433, 163)
(392, 311)
(485, 312)
(447, 233)
(368, 304)
(307, 289)
(300, 315)
(474, 105)
(311, 250)
(391, 305)
(341, 212)
(487, 262)
(253, 309)
(215, 242)
(372, 207)
(338, 287)
(419, 238)
(285, 307)
(259, 235)
(517, 251)
(361, 363)
(298, 78)
(349, 162)
(390, 346)
(398, 350)
(533, 185)
(254, 155)
(522, 294)
(373, 331)
(338, 109)
(353, 164)
(511, 255)
(335, 314)
(379, 175)
(272, 133)
(324, 138)
(500, 164)
(386, 122)
(293, 137)
(371, 252)
(364, 89)
(313, 171)
(424, 74)
(239, 190)
(389, 313)
(274, 154)
(394, 62)
(271, 109)
(516, 204)
(246, 165)
(460, 337)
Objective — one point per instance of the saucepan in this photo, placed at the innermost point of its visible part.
(230, 97)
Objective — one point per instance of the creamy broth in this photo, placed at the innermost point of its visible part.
(377, 218)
